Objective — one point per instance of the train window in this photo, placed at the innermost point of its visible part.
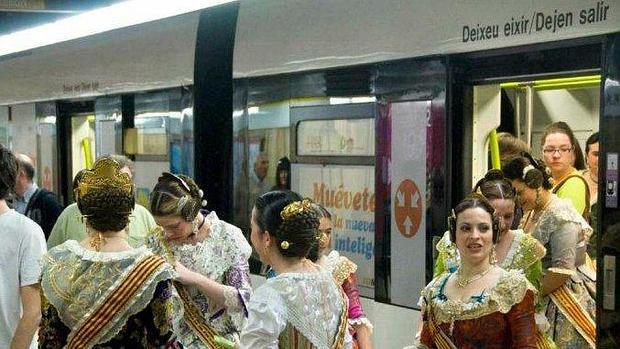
(343, 137)
(108, 125)
(334, 166)
(163, 129)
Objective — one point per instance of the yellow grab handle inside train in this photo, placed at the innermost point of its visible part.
(86, 151)
(494, 146)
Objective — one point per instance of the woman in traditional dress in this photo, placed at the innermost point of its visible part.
(301, 307)
(211, 258)
(101, 292)
(343, 271)
(554, 222)
(514, 249)
(480, 305)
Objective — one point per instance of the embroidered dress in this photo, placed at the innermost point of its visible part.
(524, 254)
(343, 271)
(77, 283)
(297, 311)
(564, 233)
(500, 317)
(222, 257)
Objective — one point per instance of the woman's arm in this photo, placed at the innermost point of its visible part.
(563, 243)
(357, 318)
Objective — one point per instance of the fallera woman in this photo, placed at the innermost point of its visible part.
(210, 257)
(479, 305)
(301, 307)
(343, 270)
(565, 287)
(100, 292)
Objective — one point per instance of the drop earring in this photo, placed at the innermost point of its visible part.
(493, 256)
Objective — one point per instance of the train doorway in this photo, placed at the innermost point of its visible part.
(77, 141)
(520, 91)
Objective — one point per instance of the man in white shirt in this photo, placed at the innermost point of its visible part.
(21, 250)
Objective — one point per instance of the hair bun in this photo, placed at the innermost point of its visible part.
(494, 174)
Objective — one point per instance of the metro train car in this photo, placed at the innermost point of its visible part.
(384, 111)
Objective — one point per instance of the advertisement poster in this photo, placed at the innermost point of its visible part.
(408, 197)
(348, 193)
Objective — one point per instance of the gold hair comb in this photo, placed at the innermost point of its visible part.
(295, 208)
(106, 174)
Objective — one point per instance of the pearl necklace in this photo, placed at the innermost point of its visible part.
(462, 281)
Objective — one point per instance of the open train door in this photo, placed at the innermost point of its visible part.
(608, 240)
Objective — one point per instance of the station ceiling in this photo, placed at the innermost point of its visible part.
(16, 15)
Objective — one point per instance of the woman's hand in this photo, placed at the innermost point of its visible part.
(186, 276)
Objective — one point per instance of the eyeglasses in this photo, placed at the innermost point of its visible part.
(561, 151)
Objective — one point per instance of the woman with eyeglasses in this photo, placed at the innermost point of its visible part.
(566, 299)
(562, 155)
(210, 257)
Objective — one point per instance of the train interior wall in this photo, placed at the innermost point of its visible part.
(579, 107)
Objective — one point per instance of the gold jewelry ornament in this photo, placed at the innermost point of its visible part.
(285, 245)
(293, 209)
(493, 256)
(462, 281)
(105, 174)
(96, 242)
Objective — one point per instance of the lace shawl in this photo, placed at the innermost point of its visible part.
(222, 257)
(510, 289)
(524, 254)
(77, 281)
(342, 268)
(310, 302)
(555, 229)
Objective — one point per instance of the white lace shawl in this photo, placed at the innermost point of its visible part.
(310, 302)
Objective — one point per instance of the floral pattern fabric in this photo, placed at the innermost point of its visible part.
(151, 328)
(565, 233)
(501, 317)
(75, 281)
(222, 257)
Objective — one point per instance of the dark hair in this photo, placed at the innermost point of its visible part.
(534, 178)
(76, 182)
(299, 231)
(473, 201)
(562, 127)
(283, 165)
(8, 172)
(107, 210)
(495, 186)
(313, 255)
(107, 206)
(591, 140)
(176, 195)
(27, 167)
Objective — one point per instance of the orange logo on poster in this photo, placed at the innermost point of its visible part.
(408, 208)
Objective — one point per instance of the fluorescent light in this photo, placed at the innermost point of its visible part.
(351, 100)
(119, 15)
(49, 120)
(253, 110)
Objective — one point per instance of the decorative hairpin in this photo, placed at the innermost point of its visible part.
(295, 208)
(285, 245)
(106, 173)
(527, 169)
